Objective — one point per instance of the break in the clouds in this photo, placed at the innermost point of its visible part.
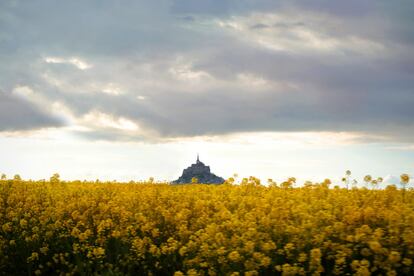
(148, 69)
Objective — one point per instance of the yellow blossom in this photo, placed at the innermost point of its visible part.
(234, 256)
(23, 223)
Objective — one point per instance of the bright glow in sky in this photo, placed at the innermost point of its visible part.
(308, 156)
(267, 88)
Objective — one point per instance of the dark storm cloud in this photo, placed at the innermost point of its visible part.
(189, 68)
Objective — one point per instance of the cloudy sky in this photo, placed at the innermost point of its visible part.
(132, 89)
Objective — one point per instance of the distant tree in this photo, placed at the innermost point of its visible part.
(3, 177)
(151, 180)
(17, 177)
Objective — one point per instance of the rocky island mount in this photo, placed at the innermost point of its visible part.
(199, 171)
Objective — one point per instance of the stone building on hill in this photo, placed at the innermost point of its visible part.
(199, 171)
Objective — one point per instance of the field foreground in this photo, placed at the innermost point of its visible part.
(139, 229)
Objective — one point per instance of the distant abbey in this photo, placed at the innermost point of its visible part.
(199, 171)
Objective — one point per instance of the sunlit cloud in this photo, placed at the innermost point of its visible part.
(77, 62)
(112, 89)
(253, 81)
(282, 32)
(23, 91)
(183, 71)
(103, 120)
(292, 140)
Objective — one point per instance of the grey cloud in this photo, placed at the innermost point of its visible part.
(17, 114)
(93, 28)
(139, 42)
(288, 25)
(188, 18)
(201, 7)
(342, 8)
(259, 26)
(220, 7)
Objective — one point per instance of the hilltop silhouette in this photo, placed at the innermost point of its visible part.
(200, 171)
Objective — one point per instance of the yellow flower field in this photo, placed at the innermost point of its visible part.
(85, 228)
